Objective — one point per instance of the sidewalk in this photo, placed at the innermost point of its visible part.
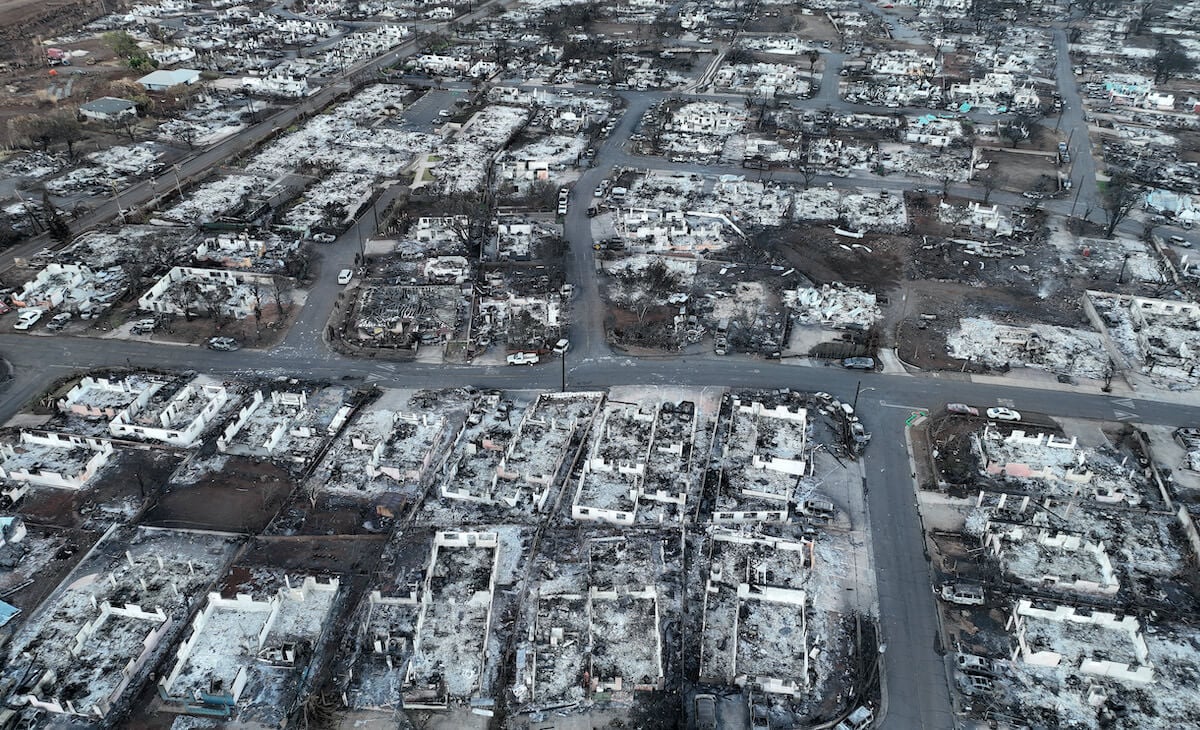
(1140, 388)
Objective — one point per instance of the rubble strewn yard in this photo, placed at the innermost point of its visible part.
(1061, 542)
(500, 478)
(550, 364)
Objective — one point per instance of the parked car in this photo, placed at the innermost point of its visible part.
(962, 409)
(523, 358)
(973, 663)
(223, 344)
(142, 327)
(861, 719)
(58, 321)
(324, 237)
(1003, 414)
(962, 594)
(706, 712)
(818, 509)
(859, 363)
(561, 347)
(344, 276)
(28, 318)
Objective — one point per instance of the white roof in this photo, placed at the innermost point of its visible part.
(169, 78)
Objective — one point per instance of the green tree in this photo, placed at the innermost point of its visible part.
(126, 47)
(121, 43)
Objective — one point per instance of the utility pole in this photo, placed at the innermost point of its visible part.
(564, 372)
(857, 390)
(1075, 200)
(117, 198)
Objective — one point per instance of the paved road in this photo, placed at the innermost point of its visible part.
(918, 694)
(198, 164)
(1074, 127)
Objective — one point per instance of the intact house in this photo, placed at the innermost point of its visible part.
(162, 80)
(108, 108)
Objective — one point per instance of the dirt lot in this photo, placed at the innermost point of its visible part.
(23, 66)
(776, 18)
(334, 554)
(242, 497)
(120, 489)
(1189, 145)
(922, 341)
(1020, 170)
(821, 256)
(22, 20)
(328, 515)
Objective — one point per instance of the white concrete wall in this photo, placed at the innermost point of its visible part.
(185, 437)
(47, 477)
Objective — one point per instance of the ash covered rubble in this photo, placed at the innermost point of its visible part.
(1065, 593)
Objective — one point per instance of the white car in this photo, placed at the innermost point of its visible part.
(58, 321)
(1003, 414)
(345, 275)
(223, 344)
(562, 346)
(27, 318)
(523, 358)
(324, 237)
